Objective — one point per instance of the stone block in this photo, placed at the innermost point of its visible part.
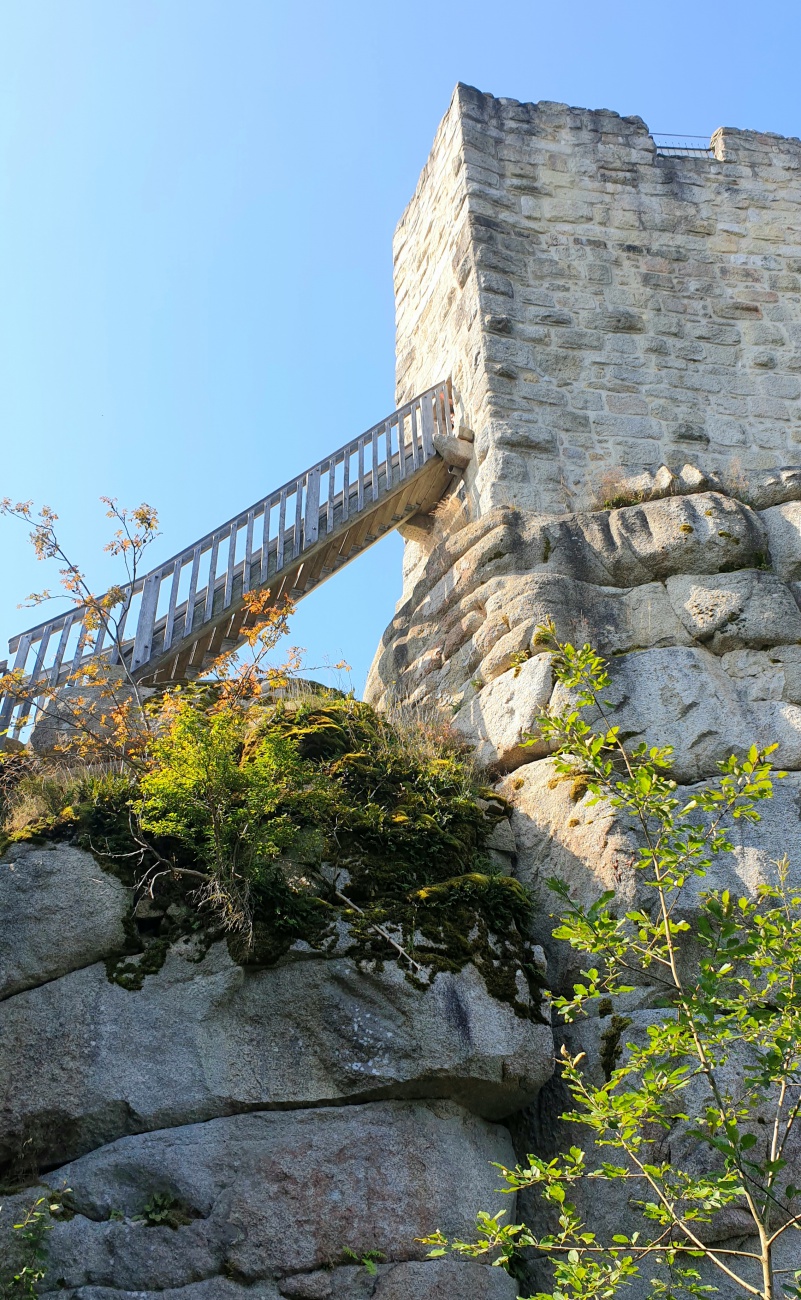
(448, 1279)
(703, 533)
(782, 525)
(771, 489)
(560, 832)
(498, 718)
(213, 1288)
(684, 698)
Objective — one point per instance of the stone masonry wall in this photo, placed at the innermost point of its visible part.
(599, 305)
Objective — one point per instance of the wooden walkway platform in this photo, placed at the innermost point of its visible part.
(184, 612)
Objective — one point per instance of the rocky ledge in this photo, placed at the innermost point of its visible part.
(290, 1130)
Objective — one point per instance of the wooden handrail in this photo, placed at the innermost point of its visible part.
(174, 607)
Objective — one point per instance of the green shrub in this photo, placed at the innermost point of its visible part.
(283, 808)
(268, 823)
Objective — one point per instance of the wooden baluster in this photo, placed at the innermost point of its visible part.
(23, 650)
(169, 626)
(298, 518)
(208, 607)
(416, 459)
(374, 447)
(118, 634)
(279, 553)
(442, 411)
(189, 621)
(9, 702)
(346, 485)
(6, 712)
(427, 423)
(388, 453)
(433, 398)
(446, 399)
(401, 445)
(265, 541)
(248, 551)
(143, 643)
(360, 480)
(100, 640)
(41, 652)
(311, 522)
(55, 668)
(332, 473)
(78, 656)
(26, 705)
(229, 574)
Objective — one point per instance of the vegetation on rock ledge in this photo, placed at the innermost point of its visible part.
(279, 822)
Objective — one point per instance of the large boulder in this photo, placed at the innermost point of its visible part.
(59, 911)
(773, 674)
(262, 1196)
(782, 524)
(621, 619)
(208, 1038)
(497, 719)
(598, 574)
(213, 1288)
(632, 545)
(445, 1279)
(705, 705)
(683, 697)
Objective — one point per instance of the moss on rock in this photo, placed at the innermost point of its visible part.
(379, 824)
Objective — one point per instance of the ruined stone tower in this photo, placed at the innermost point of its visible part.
(623, 329)
(601, 306)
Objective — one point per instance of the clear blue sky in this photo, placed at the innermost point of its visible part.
(197, 200)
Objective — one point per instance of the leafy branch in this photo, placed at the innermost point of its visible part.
(726, 1054)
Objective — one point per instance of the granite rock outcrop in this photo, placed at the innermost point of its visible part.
(289, 1123)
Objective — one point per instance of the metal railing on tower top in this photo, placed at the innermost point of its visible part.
(682, 146)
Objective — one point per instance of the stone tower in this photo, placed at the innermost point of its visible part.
(623, 329)
(601, 307)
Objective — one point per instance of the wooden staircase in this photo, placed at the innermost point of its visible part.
(184, 612)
